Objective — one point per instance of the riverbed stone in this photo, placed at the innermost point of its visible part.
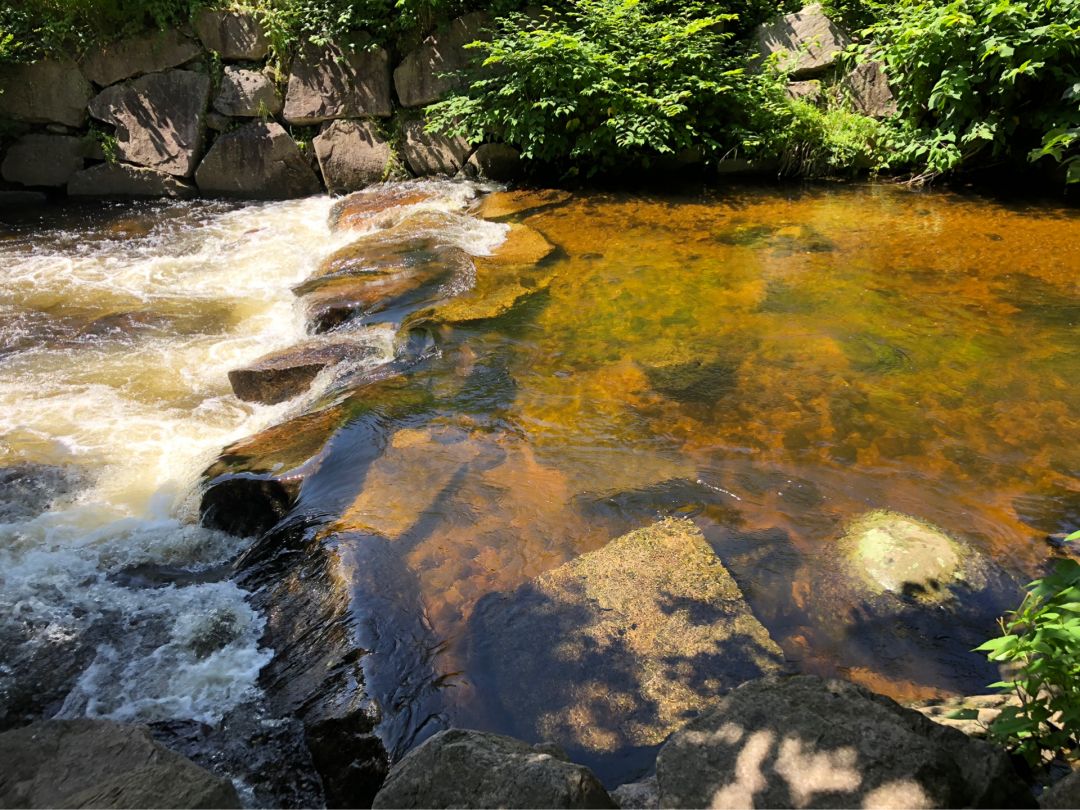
(123, 180)
(158, 119)
(494, 161)
(809, 742)
(336, 82)
(375, 206)
(500, 205)
(895, 553)
(431, 153)
(134, 56)
(464, 768)
(43, 160)
(99, 763)
(49, 91)
(258, 161)
(807, 41)
(432, 70)
(232, 35)
(352, 155)
(284, 374)
(866, 87)
(621, 645)
(247, 93)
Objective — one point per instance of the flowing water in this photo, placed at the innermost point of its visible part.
(771, 363)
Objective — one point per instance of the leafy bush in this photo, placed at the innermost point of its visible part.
(815, 142)
(982, 80)
(604, 83)
(1042, 638)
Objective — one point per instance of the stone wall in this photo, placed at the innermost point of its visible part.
(202, 112)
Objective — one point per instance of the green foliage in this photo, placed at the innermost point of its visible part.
(1042, 639)
(982, 80)
(602, 83)
(831, 141)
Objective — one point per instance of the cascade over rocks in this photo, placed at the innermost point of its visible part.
(98, 763)
(334, 82)
(147, 53)
(247, 94)
(49, 91)
(43, 160)
(158, 119)
(429, 153)
(808, 742)
(122, 180)
(259, 161)
(282, 375)
(232, 35)
(352, 155)
(807, 40)
(463, 768)
(655, 611)
(420, 78)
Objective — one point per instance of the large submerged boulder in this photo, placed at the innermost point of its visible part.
(621, 645)
(462, 768)
(807, 42)
(335, 82)
(49, 91)
(147, 53)
(98, 763)
(429, 72)
(158, 119)
(43, 160)
(808, 742)
(232, 35)
(352, 155)
(258, 160)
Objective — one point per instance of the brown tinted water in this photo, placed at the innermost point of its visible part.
(770, 363)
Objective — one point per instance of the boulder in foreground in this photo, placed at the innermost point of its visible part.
(461, 768)
(808, 742)
(98, 763)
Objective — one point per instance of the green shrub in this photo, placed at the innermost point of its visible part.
(831, 141)
(604, 83)
(982, 80)
(1042, 639)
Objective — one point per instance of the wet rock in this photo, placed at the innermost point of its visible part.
(148, 53)
(122, 180)
(1063, 794)
(43, 160)
(285, 374)
(247, 94)
(501, 205)
(370, 258)
(257, 161)
(232, 35)
(376, 206)
(429, 153)
(697, 381)
(352, 155)
(901, 555)
(422, 78)
(27, 489)
(807, 40)
(49, 91)
(867, 89)
(621, 645)
(494, 161)
(809, 90)
(522, 245)
(334, 82)
(643, 794)
(97, 763)
(807, 742)
(247, 504)
(158, 119)
(462, 768)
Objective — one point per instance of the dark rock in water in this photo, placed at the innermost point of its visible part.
(156, 575)
(28, 489)
(1054, 510)
(461, 768)
(247, 504)
(643, 794)
(620, 646)
(97, 763)
(696, 381)
(372, 207)
(285, 374)
(807, 742)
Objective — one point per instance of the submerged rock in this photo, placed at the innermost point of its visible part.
(501, 205)
(282, 375)
(462, 768)
(807, 40)
(620, 646)
(901, 555)
(98, 763)
(807, 742)
(373, 207)
(27, 489)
